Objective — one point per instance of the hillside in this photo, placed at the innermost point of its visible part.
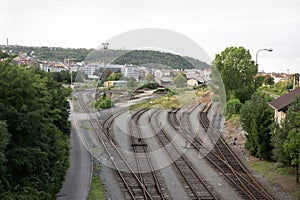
(135, 57)
(50, 53)
(140, 57)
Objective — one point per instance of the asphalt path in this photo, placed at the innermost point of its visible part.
(77, 181)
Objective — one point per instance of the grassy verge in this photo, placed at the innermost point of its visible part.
(97, 191)
(283, 176)
(168, 101)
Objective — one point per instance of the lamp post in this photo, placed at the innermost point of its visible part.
(105, 47)
(270, 50)
(256, 57)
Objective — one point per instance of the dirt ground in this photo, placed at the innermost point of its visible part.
(281, 186)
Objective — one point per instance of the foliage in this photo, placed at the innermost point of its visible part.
(166, 91)
(5, 138)
(35, 136)
(233, 107)
(286, 137)
(278, 138)
(139, 57)
(80, 76)
(277, 174)
(151, 86)
(257, 119)
(98, 55)
(150, 78)
(180, 80)
(52, 53)
(97, 191)
(63, 76)
(3, 55)
(114, 76)
(269, 80)
(104, 102)
(279, 88)
(131, 82)
(105, 74)
(292, 146)
(259, 81)
(237, 70)
(292, 143)
(197, 64)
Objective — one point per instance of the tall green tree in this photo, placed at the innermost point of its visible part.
(4, 141)
(180, 80)
(35, 136)
(259, 81)
(237, 70)
(269, 80)
(114, 76)
(150, 78)
(257, 120)
(292, 143)
(278, 139)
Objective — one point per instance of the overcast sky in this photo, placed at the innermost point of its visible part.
(213, 24)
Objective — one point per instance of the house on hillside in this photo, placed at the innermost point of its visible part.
(281, 104)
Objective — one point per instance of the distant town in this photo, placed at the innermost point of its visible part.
(93, 69)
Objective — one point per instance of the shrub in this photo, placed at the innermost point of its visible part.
(104, 103)
(233, 106)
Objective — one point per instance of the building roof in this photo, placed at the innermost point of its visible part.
(194, 76)
(283, 102)
(93, 77)
(166, 79)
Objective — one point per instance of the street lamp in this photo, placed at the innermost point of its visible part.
(270, 50)
(105, 47)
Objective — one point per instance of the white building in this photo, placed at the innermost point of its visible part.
(89, 70)
(130, 71)
(207, 74)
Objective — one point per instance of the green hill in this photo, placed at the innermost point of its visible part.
(140, 57)
(153, 59)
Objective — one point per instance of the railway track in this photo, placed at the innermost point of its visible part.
(130, 183)
(194, 184)
(85, 98)
(249, 188)
(221, 157)
(143, 164)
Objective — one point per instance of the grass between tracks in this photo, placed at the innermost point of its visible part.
(168, 101)
(282, 176)
(97, 191)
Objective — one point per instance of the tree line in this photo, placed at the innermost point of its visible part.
(141, 57)
(34, 132)
(115, 56)
(266, 139)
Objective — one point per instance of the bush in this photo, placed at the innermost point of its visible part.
(150, 86)
(233, 106)
(104, 103)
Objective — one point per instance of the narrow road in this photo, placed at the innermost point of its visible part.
(77, 180)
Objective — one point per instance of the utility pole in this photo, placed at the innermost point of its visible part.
(256, 58)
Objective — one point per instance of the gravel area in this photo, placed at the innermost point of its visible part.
(213, 177)
(161, 160)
